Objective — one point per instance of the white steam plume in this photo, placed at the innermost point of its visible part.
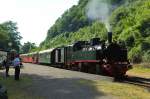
(99, 10)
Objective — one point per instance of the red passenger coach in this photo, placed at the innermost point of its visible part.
(24, 58)
(30, 58)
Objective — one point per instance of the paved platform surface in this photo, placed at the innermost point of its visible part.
(55, 83)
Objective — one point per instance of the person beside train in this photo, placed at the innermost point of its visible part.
(6, 65)
(16, 63)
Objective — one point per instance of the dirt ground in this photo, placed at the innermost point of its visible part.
(54, 83)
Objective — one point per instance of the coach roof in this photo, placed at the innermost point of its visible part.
(45, 51)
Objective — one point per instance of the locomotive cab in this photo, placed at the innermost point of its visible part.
(79, 45)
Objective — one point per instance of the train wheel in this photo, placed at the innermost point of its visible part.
(119, 77)
(70, 67)
(80, 67)
(98, 70)
(91, 68)
(74, 67)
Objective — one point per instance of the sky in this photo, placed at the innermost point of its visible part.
(33, 17)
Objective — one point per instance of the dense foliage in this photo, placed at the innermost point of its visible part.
(28, 47)
(130, 21)
(9, 36)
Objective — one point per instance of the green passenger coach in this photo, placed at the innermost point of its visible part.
(45, 56)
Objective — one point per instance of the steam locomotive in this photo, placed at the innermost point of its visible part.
(94, 56)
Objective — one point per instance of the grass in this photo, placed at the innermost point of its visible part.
(119, 90)
(124, 90)
(18, 89)
(140, 70)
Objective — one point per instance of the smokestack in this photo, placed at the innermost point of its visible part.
(109, 37)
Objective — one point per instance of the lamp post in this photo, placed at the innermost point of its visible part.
(10, 45)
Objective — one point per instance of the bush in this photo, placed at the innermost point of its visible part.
(135, 55)
(146, 57)
(3, 92)
(145, 46)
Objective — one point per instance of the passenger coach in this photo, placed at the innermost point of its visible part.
(45, 56)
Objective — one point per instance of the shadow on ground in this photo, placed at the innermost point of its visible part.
(49, 87)
(63, 88)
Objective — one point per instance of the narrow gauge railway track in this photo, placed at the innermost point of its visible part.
(144, 82)
(134, 80)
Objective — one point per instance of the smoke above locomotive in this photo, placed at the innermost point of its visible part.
(99, 10)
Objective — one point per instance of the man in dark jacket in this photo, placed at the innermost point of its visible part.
(6, 65)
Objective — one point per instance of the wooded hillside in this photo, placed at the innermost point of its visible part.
(130, 20)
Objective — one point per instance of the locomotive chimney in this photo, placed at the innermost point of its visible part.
(109, 37)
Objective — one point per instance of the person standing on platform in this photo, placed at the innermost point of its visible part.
(6, 65)
(16, 63)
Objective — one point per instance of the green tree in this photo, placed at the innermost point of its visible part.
(28, 47)
(10, 34)
(3, 33)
